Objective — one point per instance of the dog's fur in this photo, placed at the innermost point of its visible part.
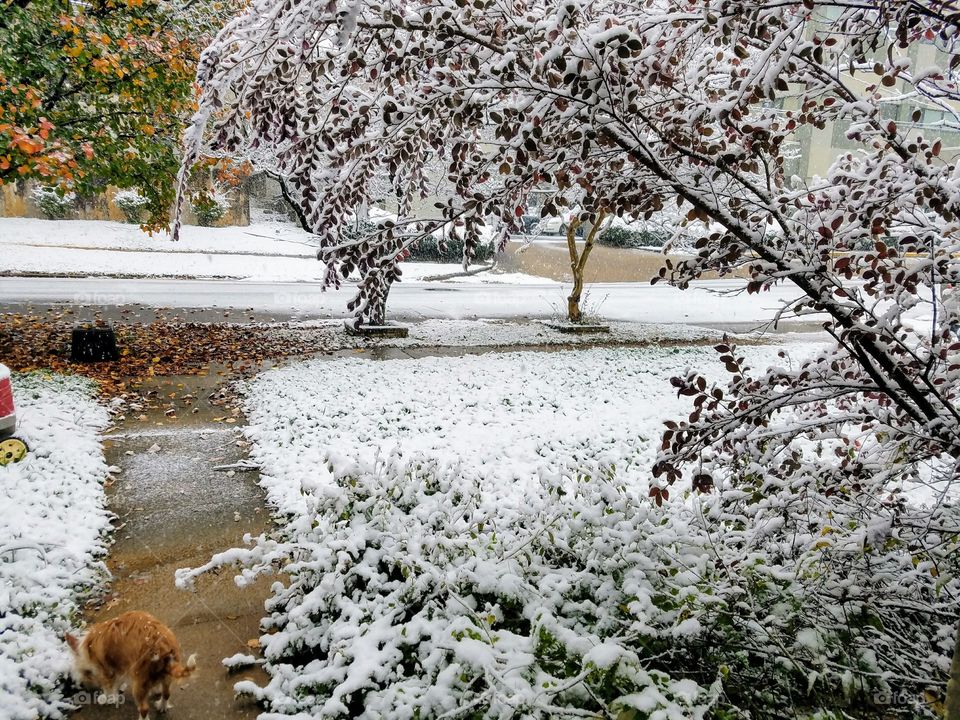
(133, 648)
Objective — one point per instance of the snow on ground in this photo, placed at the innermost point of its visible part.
(73, 262)
(503, 416)
(52, 536)
(506, 278)
(473, 535)
(719, 303)
(499, 333)
(265, 250)
(263, 238)
(410, 488)
(506, 333)
(81, 262)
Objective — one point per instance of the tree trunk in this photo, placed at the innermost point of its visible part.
(952, 703)
(292, 202)
(578, 261)
(378, 315)
(574, 315)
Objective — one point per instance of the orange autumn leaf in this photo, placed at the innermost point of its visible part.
(27, 145)
(45, 127)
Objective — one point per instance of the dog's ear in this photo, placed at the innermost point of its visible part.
(73, 642)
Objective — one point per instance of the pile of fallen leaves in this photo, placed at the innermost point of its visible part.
(42, 341)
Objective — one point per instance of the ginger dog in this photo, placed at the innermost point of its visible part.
(133, 648)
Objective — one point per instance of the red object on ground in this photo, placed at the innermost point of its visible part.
(6, 398)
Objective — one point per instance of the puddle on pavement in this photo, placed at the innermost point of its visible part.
(175, 511)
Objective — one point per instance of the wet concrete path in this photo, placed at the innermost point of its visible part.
(175, 510)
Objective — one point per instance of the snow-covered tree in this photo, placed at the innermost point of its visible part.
(96, 93)
(622, 108)
(622, 105)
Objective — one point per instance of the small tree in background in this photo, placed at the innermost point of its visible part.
(578, 262)
(209, 205)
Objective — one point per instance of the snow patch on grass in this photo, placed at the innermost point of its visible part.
(263, 251)
(52, 537)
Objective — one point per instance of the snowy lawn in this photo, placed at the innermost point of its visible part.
(503, 417)
(264, 250)
(52, 537)
(265, 238)
(472, 537)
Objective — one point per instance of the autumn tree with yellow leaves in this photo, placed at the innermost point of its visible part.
(95, 93)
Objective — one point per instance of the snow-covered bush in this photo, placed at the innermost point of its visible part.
(625, 237)
(429, 250)
(416, 591)
(54, 203)
(666, 229)
(420, 249)
(432, 570)
(209, 206)
(131, 204)
(52, 538)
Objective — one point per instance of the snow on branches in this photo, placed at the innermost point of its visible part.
(622, 108)
(619, 108)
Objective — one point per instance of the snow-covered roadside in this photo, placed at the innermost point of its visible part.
(264, 251)
(73, 262)
(504, 333)
(262, 238)
(169, 262)
(53, 532)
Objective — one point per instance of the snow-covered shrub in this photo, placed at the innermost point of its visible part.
(415, 594)
(131, 204)
(415, 591)
(209, 206)
(429, 250)
(440, 579)
(54, 203)
(625, 237)
(425, 249)
(52, 538)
